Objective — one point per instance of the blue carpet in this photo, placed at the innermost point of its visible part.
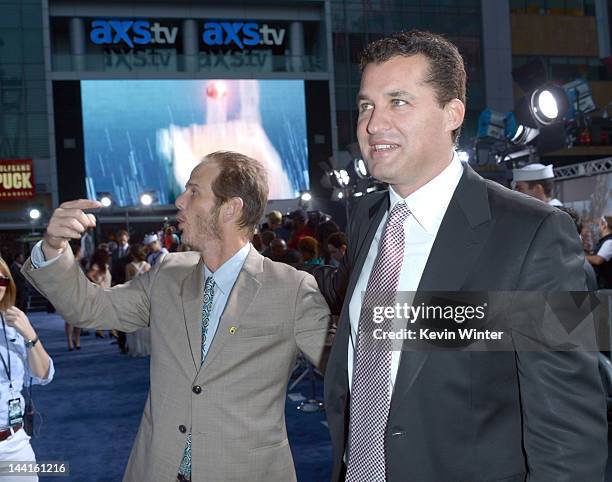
(88, 416)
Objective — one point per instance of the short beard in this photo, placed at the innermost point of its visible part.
(207, 228)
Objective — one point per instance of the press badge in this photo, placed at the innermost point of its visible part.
(15, 414)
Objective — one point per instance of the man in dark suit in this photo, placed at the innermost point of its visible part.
(449, 416)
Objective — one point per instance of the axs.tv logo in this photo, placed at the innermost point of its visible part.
(241, 34)
(131, 32)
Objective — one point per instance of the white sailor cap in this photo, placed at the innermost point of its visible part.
(150, 238)
(533, 172)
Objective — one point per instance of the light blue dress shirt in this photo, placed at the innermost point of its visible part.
(20, 371)
(225, 277)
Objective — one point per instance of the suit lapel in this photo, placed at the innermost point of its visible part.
(375, 215)
(462, 234)
(192, 297)
(339, 352)
(242, 295)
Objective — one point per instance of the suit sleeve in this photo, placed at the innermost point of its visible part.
(563, 404)
(85, 304)
(312, 321)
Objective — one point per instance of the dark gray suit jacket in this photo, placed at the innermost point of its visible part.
(480, 416)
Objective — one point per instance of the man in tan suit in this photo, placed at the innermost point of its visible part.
(227, 413)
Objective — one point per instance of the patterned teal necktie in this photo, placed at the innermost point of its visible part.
(209, 292)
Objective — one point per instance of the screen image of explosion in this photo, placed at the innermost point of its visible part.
(147, 135)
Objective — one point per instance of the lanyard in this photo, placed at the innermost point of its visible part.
(7, 369)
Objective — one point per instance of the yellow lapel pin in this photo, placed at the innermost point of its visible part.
(232, 330)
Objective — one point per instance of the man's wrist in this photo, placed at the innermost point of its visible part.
(49, 252)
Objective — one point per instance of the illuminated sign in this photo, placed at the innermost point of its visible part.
(16, 179)
(242, 34)
(131, 32)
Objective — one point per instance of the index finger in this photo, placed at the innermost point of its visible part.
(81, 204)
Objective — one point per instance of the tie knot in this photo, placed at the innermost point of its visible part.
(399, 213)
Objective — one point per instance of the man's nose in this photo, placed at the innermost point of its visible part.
(179, 202)
(378, 122)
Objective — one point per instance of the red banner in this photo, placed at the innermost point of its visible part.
(16, 179)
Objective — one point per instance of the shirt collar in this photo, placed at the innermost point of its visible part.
(428, 203)
(226, 275)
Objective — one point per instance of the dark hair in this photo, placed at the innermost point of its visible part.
(337, 239)
(267, 237)
(574, 215)
(244, 177)
(121, 232)
(547, 185)
(138, 252)
(100, 258)
(446, 73)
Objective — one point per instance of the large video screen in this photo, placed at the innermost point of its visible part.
(147, 135)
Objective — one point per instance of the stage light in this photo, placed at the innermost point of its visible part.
(358, 194)
(105, 199)
(547, 103)
(34, 214)
(342, 178)
(491, 125)
(542, 107)
(306, 196)
(146, 199)
(360, 168)
(523, 135)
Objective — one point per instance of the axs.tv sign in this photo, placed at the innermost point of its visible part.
(136, 33)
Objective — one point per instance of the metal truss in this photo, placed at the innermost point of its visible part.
(584, 169)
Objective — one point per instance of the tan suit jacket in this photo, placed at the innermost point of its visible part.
(238, 418)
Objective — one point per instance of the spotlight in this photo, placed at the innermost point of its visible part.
(105, 199)
(358, 194)
(337, 194)
(491, 125)
(342, 178)
(146, 199)
(34, 214)
(361, 170)
(542, 107)
(306, 196)
(523, 135)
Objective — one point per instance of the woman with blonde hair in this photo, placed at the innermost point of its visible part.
(22, 358)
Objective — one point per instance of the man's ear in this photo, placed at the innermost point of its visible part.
(232, 209)
(454, 112)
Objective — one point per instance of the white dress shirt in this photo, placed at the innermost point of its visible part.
(428, 205)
